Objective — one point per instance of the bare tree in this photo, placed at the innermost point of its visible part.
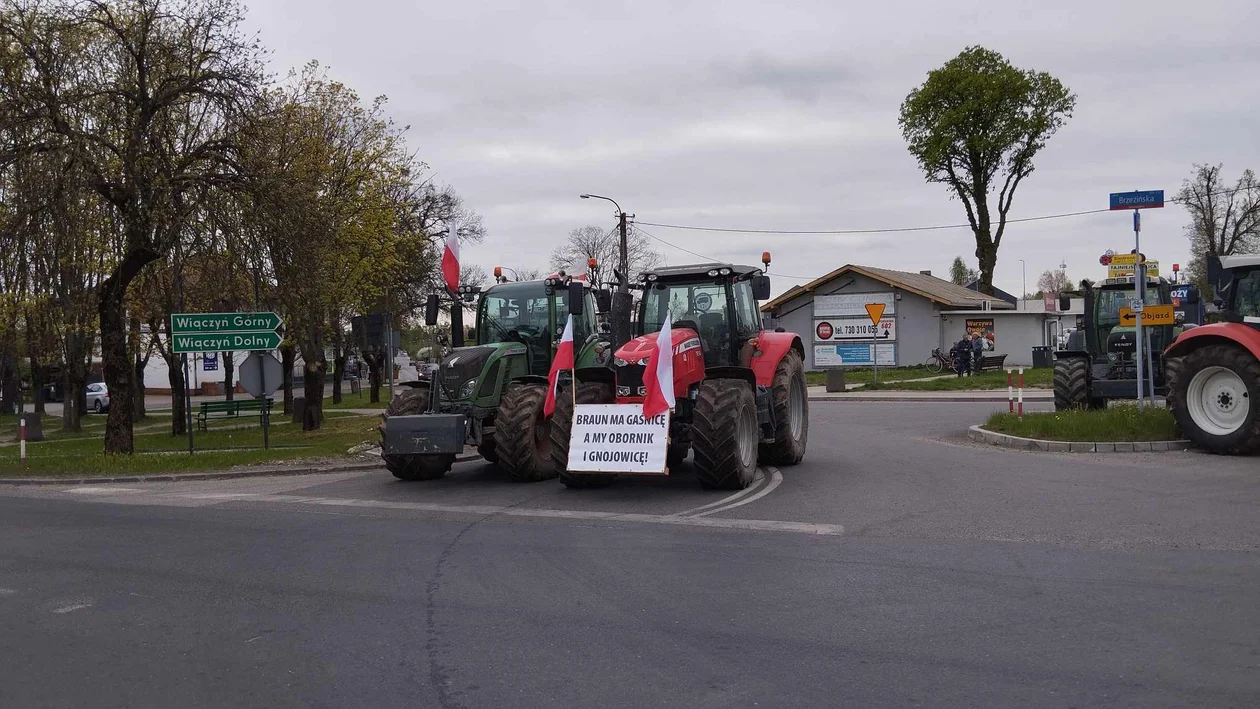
(602, 244)
(1053, 281)
(1223, 220)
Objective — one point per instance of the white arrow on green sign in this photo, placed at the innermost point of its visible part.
(184, 323)
(224, 342)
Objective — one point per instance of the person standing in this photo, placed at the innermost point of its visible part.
(977, 351)
(962, 355)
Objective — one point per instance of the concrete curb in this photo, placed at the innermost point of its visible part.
(980, 434)
(211, 475)
(980, 399)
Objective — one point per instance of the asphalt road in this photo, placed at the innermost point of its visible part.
(898, 566)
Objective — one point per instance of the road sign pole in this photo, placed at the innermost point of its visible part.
(875, 356)
(266, 417)
(187, 406)
(1140, 270)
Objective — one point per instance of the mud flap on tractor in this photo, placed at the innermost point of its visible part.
(765, 413)
(425, 434)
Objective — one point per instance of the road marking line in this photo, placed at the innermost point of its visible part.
(729, 498)
(7, 592)
(488, 510)
(775, 479)
(73, 607)
(101, 490)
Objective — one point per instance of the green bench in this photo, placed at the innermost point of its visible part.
(233, 409)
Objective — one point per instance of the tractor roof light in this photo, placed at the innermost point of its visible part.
(765, 258)
(592, 263)
(652, 277)
(725, 271)
(498, 271)
(712, 272)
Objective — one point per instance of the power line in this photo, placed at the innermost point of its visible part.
(710, 258)
(895, 230)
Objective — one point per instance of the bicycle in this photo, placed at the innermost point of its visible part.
(940, 361)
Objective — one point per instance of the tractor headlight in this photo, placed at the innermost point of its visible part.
(466, 391)
(619, 362)
(712, 272)
(725, 271)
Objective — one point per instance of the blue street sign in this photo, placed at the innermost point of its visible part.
(1146, 199)
(210, 362)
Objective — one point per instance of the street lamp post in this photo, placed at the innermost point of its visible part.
(621, 299)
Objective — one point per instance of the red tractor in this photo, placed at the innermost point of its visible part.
(740, 389)
(1214, 370)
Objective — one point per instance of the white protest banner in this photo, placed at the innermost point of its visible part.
(616, 438)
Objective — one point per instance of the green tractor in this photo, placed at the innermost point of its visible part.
(1100, 361)
(491, 394)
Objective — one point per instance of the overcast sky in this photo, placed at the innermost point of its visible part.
(783, 116)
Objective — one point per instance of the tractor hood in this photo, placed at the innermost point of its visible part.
(1122, 340)
(462, 368)
(636, 351)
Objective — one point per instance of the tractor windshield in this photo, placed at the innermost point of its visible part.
(513, 311)
(701, 305)
(1111, 300)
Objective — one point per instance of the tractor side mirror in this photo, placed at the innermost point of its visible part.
(431, 310)
(1065, 303)
(761, 287)
(603, 301)
(576, 298)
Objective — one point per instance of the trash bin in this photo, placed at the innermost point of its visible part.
(1042, 357)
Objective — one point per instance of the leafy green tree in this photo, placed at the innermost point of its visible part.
(975, 125)
(961, 273)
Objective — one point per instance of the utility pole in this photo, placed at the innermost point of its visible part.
(622, 304)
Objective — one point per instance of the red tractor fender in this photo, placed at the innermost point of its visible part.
(1221, 333)
(773, 347)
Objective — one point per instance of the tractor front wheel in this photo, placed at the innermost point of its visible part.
(724, 434)
(562, 424)
(413, 467)
(791, 413)
(522, 436)
(1071, 383)
(1211, 395)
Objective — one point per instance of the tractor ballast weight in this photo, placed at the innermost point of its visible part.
(491, 394)
(739, 388)
(1214, 369)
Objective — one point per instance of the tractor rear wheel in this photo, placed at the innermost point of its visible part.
(791, 413)
(1071, 383)
(724, 434)
(522, 436)
(1212, 396)
(413, 467)
(562, 424)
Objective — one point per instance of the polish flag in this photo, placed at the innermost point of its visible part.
(563, 360)
(450, 262)
(659, 377)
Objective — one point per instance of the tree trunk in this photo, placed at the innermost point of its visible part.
(37, 385)
(138, 363)
(339, 372)
(375, 359)
(10, 380)
(175, 375)
(288, 356)
(74, 374)
(313, 386)
(986, 254)
(229, 379)
(116, 367)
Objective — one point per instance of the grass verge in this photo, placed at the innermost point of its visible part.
(226, 445)
(864, 376)
(1033, 379)
(1118, 423)
(361, 400)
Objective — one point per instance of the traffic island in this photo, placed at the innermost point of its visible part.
(1121, 429)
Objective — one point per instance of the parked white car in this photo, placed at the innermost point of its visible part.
(98, 397)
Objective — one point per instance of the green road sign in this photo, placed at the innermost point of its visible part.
(224, 342)
(223, 323)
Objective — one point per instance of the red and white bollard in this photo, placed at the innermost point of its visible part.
(1010, 392)
(1021, 393)
(22, 441)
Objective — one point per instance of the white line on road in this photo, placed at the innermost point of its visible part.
(775, 478)
(490, 510)
(102, 490)
(729, 498)
(73, 607)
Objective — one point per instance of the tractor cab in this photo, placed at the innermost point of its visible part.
(717, 301)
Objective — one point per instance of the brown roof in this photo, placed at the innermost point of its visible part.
(939, 290)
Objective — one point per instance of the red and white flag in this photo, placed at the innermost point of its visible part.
(659, 377)
(450, 262)
(563, 360)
